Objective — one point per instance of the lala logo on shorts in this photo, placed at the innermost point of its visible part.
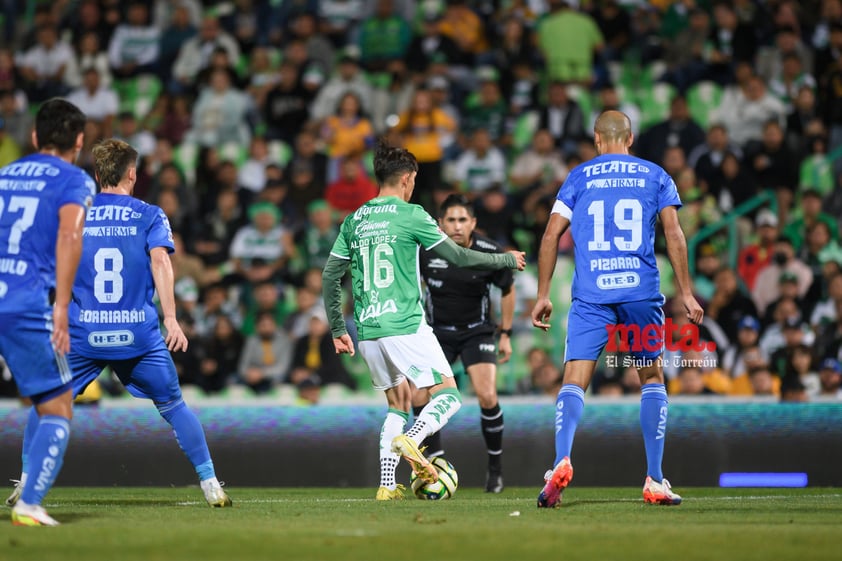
(120, 338)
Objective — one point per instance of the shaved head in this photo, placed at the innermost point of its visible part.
(613, 126)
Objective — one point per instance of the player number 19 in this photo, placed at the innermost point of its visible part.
(108, 282)
(381, 267)
(633, 225)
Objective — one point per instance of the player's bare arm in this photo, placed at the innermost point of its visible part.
(507, 315)
(332, 292)
(453, 253)
(547, 255)
(164, 278)
(677, 252)
(68, 252)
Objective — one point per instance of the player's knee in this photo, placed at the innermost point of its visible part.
(487, 399)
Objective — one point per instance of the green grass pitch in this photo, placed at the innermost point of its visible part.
(594, 524)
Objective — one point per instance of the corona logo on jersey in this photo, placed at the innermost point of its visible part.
(654, 337)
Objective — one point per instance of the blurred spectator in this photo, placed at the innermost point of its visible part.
(729, 305)
(219, 115)
(487, 110)
(252, 173)
(316, 241)
(762, 382)
(214, 304)
(684, 54)
(708, 263)
(352, 188)
(679, 129)
(766, 288)
(319, 49)
(42, 66)
(218, 229)
(691, 381)
(392, 97)
(286, 107)
(748, 334)
(338, 18)
(175, 118)
(830, 376)
(829, 337)
(539, 170)
(811, 213)
(383, 37)
(772, 60)
(307, 300)
(511, 49)
(17, 123)
(568, 40)
(825, 310)
(88, 17)
(347, 79)
(773, 163)
(735, 184)
(346, 132)
(800, 366)
(481, 166)
(793, 390)
(545, 379)
(305, 157)
(749, 112)
(196, 52)
(795, 333)
(754, 257)
(430, 43)
(609, 100)
(266, 355)
(96, 101)
(178, 28)
(262, 76)
(421, 130)
(313, 355)
(9, 149)
(129, 130)
(563, 118)
(221, 358)
(731, 41)
(463, 25)
(87, 55)
(615, 25)
(134, 47)
(706, 159)
(266, 297)
(242, 23)
(261, 248)
(787, 290)
(827, 37)
(793, 79)
(495, 216)
(752, 358)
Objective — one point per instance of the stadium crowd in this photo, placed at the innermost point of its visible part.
(255, 118)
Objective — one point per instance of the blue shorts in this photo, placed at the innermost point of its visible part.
(26, 346)
(151, 375)
(589, 326)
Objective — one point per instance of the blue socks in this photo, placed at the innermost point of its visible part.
(653, 424)
(190, 436)
(47, 445)
(568, 411)
(28, 435)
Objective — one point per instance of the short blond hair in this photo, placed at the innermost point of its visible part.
(112, 158)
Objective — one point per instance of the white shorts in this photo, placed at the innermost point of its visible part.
(417, 356)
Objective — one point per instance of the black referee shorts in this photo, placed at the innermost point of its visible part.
(476, 346)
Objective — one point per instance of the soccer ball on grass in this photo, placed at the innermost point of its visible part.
(442, 489)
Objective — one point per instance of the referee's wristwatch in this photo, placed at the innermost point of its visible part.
(506, 332)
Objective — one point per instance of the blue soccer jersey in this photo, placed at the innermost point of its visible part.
(32, 190)
(612, 203)
(112, 314)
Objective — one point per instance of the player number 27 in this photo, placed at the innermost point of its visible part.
(108, 282)
(381, 266)
(633, 225)
(28, 206)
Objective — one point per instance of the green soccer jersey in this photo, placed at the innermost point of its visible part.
(381, 240)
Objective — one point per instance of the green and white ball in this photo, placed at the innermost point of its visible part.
(442, 489)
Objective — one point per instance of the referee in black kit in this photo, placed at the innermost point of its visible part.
(459, 311)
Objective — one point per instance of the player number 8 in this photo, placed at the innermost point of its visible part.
(108, 283)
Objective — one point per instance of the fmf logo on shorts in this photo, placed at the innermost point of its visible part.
(654, 337)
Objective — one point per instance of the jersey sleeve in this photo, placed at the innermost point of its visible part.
(340, 247)
(424, 229)
(667, 193)
(80, 190)
(566, 198)
(160, 231)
